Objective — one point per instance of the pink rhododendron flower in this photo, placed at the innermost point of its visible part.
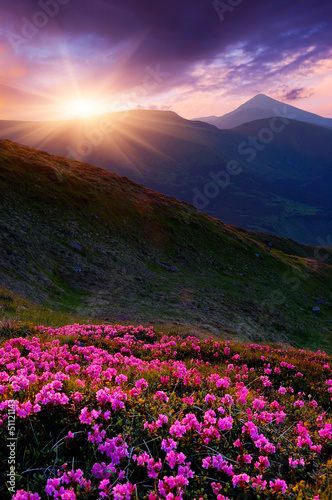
(189, 401)
(173, 458)
(177, 429)
(295, 462)
(240, 479)
(279, 485)
(258, 482)
(24, 495)
(123, 491)
(161, 396)
(210, 398)
(326, 432)
(168, 445)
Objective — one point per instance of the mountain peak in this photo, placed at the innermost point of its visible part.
(262, 106)
(259, 101)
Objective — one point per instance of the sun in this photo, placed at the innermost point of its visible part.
(83, 107)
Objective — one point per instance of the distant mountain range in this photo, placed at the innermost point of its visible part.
(260, 107)
(272, 175)
(76, 238)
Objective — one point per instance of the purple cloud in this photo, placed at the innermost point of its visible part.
(294, 94)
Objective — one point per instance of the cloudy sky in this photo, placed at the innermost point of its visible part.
(59, 58)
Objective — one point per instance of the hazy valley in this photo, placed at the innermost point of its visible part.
(271, 175)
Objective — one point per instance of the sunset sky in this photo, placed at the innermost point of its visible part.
(65, 58)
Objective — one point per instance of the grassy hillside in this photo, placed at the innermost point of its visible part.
(282, 187)
(79, 240)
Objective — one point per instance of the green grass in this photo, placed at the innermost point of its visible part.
(14, 309)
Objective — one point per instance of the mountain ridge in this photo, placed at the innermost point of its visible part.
(177, 157)
(262, 106)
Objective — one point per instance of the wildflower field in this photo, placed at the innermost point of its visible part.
(123, 412)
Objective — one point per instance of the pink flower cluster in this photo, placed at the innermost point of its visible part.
(178, 414)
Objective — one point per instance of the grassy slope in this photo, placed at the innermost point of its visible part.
(81, 241)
